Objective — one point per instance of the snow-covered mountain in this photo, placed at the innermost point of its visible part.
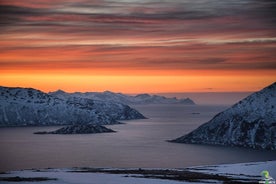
(122, 98)
(27, 106)
(249, 123)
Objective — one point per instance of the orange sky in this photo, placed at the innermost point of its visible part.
(138, 46)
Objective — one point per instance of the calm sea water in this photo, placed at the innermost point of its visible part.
(138, 143)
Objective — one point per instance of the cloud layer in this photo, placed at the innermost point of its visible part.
(137, 35)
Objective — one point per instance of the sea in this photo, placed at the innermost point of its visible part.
(136, 144)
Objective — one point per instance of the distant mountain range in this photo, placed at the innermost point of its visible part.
(27, 106)
(123, 98)
(249, 123)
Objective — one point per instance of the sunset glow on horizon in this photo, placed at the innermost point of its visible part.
(138, 46)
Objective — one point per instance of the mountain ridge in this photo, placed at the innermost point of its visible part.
(123, 98)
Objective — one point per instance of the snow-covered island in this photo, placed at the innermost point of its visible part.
(249, 123)
(140, 99)
(31, 107)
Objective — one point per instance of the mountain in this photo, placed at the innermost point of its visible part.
(122, 98)
(249, 123)
(27, 106)
(80, 129)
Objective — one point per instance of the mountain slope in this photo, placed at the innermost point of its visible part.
(26, 106)
(122, 98)
(249, 123)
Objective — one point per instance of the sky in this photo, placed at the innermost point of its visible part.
(136, 46)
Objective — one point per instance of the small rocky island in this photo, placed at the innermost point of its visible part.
(80, 129)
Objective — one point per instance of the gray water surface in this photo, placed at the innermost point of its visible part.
(138, 143)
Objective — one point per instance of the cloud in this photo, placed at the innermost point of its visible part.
(146, 34)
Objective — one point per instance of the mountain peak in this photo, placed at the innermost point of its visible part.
(143, 95)
(108, 92)
(59, 91)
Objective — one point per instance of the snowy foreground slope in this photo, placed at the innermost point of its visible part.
(27, 106)
(249, 123)
(125, 99)
(230, 173)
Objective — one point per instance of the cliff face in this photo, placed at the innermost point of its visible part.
(249, 123)
(22, 107)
